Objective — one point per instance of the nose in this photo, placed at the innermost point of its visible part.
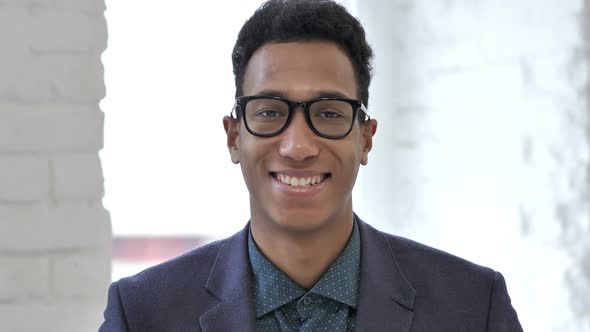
(298, 141)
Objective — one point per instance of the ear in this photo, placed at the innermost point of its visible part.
(368, 130)
(232, 130)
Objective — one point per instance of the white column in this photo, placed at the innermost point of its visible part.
(54, 233)
(483, 147)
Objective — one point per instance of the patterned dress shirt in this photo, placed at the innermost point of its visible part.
(330, 305)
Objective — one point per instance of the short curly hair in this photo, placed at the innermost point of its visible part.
(281, 21)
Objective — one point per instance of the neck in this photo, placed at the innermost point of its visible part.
(304, 256)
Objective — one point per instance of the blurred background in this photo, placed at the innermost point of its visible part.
(482, 150)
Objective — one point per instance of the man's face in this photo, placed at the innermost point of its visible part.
(299, 71)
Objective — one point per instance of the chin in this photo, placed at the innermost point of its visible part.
(300, 220)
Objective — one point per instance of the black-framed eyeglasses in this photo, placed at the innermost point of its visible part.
(268, 116)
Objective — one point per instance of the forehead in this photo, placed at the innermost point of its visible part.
(300, 70)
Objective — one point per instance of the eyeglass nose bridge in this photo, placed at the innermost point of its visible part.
(296, 104)
(293, 106)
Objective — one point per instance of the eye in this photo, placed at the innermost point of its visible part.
(269, 113)
(329, 114)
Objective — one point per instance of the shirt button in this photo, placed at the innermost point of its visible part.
(307, 301)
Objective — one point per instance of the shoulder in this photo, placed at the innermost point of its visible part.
(177, 283)
(447, 287)
(436, 276)
(191, 267)
(453, 290)
(423, 265)
(174, 289)
(418, 261)
(169, 296)
(414, 256)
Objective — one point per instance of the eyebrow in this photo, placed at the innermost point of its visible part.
(321, 94)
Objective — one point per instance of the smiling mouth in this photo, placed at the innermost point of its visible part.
(295, 181)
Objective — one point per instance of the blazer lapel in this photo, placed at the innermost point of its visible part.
(386, 300)
(230, 282)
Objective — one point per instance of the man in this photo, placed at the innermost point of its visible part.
(300, 130)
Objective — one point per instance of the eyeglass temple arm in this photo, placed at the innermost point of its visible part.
(233, 109)
(364, 109)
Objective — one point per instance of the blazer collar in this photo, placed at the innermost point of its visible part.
(386, 300)
(230, 282)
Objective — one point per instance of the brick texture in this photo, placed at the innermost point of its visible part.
(54, 316)
(24, 277)
(54, 233)
(41, 228)
(77, 177)
(80, 275)
(50, 128)
(23, 178)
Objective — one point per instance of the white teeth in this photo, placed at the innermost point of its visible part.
(315, 179)
(303, 181)
(295, 181)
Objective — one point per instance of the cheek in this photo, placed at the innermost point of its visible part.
(349, 157)
(356, 158)
(253, 152)
(245, 145)
(355, 148)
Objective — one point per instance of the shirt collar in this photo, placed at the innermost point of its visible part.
(272, 288)
(341, 281)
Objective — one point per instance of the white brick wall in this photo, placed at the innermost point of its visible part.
(77, 177)
(23, 276)
(56, 315)
(54, 232)
(23, 178)
(35, 227)
(50, 128)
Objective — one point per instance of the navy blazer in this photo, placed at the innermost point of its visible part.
(405, 286)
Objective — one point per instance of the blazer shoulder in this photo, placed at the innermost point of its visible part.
(192, 267)
(453, 290)
(412, 255)
(443, 280)
(174, 289)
